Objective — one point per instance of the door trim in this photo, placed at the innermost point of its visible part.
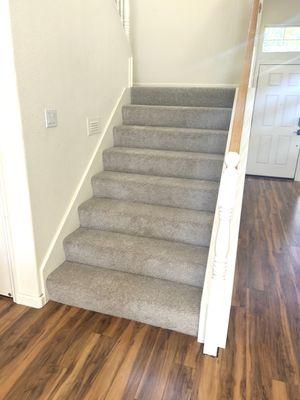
(297, 174)
(5, 228)
(258, 66)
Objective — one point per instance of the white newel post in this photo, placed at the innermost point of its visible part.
(217, 310)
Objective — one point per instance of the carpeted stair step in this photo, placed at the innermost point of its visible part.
(174, 192)
(153, 301)
(161, 259)
(163, 163)
(181, 117)
(189, 97)
(166, 138)
(169, 223)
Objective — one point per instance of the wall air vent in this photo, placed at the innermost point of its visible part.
(93, 126)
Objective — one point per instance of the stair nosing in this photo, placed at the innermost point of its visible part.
(124, 149)
(175, 128)
(99, 176)
(179, 262)
(175, 107)
(135, 274)
(147, 238)
(99, 199)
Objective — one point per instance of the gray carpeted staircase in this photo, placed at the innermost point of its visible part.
(142, 246)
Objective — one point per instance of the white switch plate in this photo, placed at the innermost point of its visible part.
(51, 118)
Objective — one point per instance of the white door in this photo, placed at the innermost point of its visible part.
(274, 143)
(5, 281)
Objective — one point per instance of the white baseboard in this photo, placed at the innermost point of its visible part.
(204, 85)
(30, 301)
(70, 221)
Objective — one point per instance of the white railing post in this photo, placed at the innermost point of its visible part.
(126, 17)
(215, 326)
(219, 277)
(123, 7)
(124, 11)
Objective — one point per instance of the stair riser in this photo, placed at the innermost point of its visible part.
(217, 119)
(203, 200)
(160, 227)
(163, 166)
(127, 261)
(157, 302)
(188, 97)
(202, 143)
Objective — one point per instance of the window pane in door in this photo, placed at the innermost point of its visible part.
(281, 39)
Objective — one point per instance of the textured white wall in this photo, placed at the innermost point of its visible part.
(71, 55)
(189, 42)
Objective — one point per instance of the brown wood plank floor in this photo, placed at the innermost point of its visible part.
(62, 352)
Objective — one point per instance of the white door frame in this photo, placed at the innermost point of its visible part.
(5, 229)
(277, 59)
(259, 63)
(18, 222)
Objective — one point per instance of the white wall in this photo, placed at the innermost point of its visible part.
(71, 55)
(188, 42)
(55, 255)
(281, 12)
(15, 201)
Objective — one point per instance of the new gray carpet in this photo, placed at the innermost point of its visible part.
(180, 117)
(168, 223)
(166, 138)
(193, 194)
(142, 247)
(185, 97)
(164, 163)
(162, 259)
(153, 301)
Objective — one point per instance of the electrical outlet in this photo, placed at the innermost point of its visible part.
(51, 118)
(93, 126)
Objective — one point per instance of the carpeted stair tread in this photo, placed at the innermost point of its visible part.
(161, 259)
(153, 301)
(174, 192)
(163, 163)
(166, 138)
(169, 223)
(180, 117)
(183, 96)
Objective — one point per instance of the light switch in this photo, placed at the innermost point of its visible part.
(51, 118)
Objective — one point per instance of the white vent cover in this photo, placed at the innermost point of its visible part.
(93, 126)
